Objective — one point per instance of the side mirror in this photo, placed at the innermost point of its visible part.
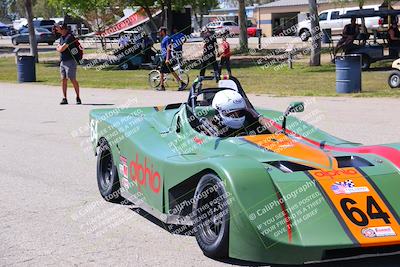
(294, 107)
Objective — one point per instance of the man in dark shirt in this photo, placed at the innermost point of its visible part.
(209, 53)
(68, 64)
(350, 33)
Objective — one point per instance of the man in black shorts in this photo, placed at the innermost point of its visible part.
(166, 66)
(209, 53)
(68, 64)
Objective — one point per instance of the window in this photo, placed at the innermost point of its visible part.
(228, 23)
(335, 15)
(323, 16)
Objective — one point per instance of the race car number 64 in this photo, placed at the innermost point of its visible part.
(359, 217)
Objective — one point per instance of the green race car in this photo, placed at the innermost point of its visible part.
(293, 196)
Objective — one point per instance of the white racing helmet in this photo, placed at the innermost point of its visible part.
(231, 107)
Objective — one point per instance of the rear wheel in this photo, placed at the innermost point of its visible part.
(154, 79)
(107, 175)
(14, 41)
(394, 79)
(211, 217)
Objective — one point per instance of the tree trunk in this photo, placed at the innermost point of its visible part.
(243, 26)
(32, 36)
(315, 59)
(169, 15)
(153, 24)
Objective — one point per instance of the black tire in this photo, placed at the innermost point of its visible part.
(50, 43)
(107, 175)
(14, 42)
(366, 62)
(394, 79)
(304, 35)
(211, 223)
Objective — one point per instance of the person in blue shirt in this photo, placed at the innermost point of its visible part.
(166, 66)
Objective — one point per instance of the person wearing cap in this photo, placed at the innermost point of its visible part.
(166, 66)
(68, 64)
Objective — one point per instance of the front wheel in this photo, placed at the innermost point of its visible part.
(211, 217)
(154, 79)
(14, 41)
(107, 175)
(366, 62)
(394, 79)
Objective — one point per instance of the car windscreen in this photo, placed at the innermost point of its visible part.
(47, 22)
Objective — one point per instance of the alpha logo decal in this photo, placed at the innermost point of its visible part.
(145, 175)
(382, 231)
(348, 187)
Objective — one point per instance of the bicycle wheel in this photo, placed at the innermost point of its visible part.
(154, 78)
(185, 78)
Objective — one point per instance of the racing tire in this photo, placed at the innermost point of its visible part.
(107, 175)
(366, 62)
(154, 79)
(211, 217)
(394, 79)
(304, 35)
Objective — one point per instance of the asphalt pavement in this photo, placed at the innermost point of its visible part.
(51, 212)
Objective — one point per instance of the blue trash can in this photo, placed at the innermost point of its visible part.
(26, 69)
(348, 74)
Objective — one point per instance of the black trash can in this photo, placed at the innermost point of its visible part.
(348, 74)
(26, 69)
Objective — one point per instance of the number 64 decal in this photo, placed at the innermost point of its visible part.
(349, 208)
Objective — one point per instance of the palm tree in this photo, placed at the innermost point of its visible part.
(244, 46)
(315, 59)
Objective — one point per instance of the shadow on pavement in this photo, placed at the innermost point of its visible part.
(94, 104)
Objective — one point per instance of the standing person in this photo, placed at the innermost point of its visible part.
(350, 33)
(166, 66)
(178, 39)
(209, 53)
(225, 56)
(68, 65)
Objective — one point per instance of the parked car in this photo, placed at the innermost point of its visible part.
(42, 36)
(5, 30)
(232, 28)
(222, 27)
(330, 19)
(47, 24)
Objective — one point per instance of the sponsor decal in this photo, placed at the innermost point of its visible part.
(144, 174)
(348, 187)
(123, 166)
(382, 231)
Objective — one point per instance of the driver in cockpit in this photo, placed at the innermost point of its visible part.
(236, 117)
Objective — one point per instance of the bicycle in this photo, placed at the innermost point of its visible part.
(155, 74)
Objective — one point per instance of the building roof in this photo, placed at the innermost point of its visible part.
(284, 3)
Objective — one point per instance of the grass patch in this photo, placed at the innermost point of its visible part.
(279, 81)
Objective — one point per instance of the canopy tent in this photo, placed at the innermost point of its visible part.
(136, 19)
(367, 13)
